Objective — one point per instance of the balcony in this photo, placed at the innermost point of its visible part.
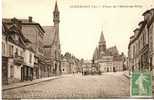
(18, 60)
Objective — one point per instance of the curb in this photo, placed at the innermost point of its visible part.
(30, 84)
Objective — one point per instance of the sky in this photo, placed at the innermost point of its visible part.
(80, 27)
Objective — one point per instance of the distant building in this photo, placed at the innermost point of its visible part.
(70, 64)
(86, 67)
(141, 47)
(108, 59)
(17, 53)
(52, 48)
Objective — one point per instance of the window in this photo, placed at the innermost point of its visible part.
(16, 37)
(10, 51)
(139, 44)
(3, 48)
(16, 53)
(143, 39)
(21, 53)
(11, 71)
(133, 51)
(30, 58)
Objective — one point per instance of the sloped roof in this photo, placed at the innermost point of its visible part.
(102, 39)
(23, 22)
(56, 7)
(95, 55)
(49, 35)
(113, 50)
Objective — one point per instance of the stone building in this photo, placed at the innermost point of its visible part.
(34, 33)
(17, 53)
(70, 64)
(108, 59)
(141, 47)
(51, 40)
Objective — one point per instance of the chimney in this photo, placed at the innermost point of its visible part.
(30, 18)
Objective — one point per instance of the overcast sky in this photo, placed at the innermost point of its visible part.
(80, 28)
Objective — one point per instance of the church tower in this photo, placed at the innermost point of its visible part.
(102, 44)
(56, 20)
(57, 50)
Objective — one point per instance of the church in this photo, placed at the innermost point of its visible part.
(108, 59)
(51, 41)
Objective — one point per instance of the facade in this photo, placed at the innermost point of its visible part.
(70, 64)
(140, 48)
(51, 40)
(86, 67)
(34, 33)
(16, 53)
(108, 59)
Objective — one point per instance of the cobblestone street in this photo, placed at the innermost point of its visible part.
(76, 86)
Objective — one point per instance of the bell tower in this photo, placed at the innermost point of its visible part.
(56, 15)
(57, 50)
(102, 43)
(56, 20)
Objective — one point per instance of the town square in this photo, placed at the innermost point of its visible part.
(72, 57)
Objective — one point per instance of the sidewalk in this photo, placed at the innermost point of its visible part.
(27, 83)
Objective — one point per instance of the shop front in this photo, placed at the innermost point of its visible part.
(26, 73)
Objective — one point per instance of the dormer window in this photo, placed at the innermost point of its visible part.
(16, 37)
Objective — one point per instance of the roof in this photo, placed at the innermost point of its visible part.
(141, 22)
(102, 39)
(23, 22)
(95, 55)
(140, 31)
(137, 29)
(15, 29)
(113, 50)
(49, 35)
(146, 12)
(56, 7)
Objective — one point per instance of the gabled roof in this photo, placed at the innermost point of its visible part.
(14, 29)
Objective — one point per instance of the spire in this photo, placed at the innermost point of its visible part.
(102, 39)
(56, 14)
(95, 54)
(56, 7)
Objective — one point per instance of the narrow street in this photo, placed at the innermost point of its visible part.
(76, 86)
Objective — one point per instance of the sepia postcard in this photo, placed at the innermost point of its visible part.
(77, 49)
